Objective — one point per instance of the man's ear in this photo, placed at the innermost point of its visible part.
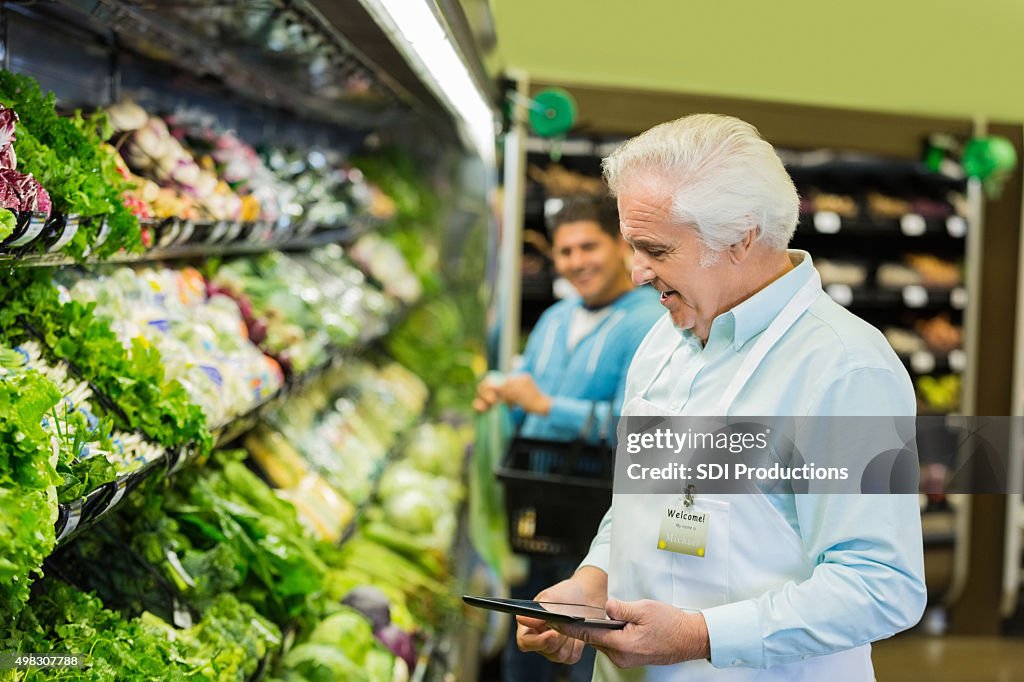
(739, 251)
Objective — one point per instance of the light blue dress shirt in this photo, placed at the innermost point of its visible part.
(868, 580)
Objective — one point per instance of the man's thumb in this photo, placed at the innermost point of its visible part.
(622, 610)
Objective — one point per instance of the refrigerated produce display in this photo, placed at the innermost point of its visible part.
(225, 452)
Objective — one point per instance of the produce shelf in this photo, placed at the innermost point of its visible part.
(75, 516)
(246, 68)
(289, 239)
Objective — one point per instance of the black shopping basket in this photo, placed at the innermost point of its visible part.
(556, 494)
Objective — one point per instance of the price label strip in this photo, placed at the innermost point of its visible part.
(188, 228)
(958, 298)
(74, 511)
(236, 229)
(121, 488)
(913, 225)
(219, 230)
(956, 226)
(170, 234)
(35, 227)
(922, 362)
(915, 296)
(827, 222)
(957, 360)
(840, 293)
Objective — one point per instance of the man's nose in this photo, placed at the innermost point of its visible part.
(575, 259)
(641, 273)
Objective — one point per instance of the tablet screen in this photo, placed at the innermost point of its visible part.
(552, 611)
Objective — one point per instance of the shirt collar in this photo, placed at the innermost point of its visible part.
(752, 316)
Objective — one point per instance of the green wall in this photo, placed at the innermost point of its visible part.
(938, 57)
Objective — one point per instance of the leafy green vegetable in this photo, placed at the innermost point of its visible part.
(133, 379)
(323, 663)
(417, 224)
(81, 474)
(68, 157)
(347, 630)
(228, 532)
(432, 342)
(28, 503)
(226, 645)
(278, 566)
(8, 221)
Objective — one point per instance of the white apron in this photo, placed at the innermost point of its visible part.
(751, 549)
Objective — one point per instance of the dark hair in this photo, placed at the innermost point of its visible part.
(600, 209)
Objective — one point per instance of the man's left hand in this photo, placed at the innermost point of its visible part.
(655, 634)
(521, 390)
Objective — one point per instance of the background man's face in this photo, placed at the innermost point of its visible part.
(591, 260)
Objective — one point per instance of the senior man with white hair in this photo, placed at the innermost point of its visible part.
(791, 586)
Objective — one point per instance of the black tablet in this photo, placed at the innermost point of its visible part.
(577, 614)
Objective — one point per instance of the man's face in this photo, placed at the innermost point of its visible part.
(667, 256)
(592, 261)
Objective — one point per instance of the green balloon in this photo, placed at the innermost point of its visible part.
(984, 156)
(552, 113)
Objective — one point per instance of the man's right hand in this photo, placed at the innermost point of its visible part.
(588, 586)
(487, 395)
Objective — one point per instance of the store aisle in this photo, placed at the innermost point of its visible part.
(949, 659)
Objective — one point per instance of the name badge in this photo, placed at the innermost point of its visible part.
(684, 530)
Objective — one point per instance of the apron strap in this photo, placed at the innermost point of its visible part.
(797, 306)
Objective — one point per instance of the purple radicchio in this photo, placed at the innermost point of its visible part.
(21, 192)
(8, 121)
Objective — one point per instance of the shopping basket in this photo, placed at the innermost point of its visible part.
(556, 494)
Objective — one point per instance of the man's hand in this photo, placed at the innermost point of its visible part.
(520, 390)
(588, 586)
(655, 634)
(487, 395)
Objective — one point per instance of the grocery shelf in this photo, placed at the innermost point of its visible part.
(75, 516)
(174, 241)
(908, 225)
(251, 71)
(911, 297)
(927, 362)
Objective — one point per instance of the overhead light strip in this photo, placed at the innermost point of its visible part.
(416, 31)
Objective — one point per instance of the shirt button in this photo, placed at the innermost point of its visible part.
(806, 656)
(675, 406)
(738, 661)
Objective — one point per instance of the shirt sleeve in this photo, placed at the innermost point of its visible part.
(600, 554)
(868, 580)
(529, 363)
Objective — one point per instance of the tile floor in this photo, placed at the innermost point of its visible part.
(915, 657)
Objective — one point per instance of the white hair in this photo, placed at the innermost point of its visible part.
(727, 179)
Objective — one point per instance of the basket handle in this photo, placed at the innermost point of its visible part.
(604, 428)
(576, 448)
